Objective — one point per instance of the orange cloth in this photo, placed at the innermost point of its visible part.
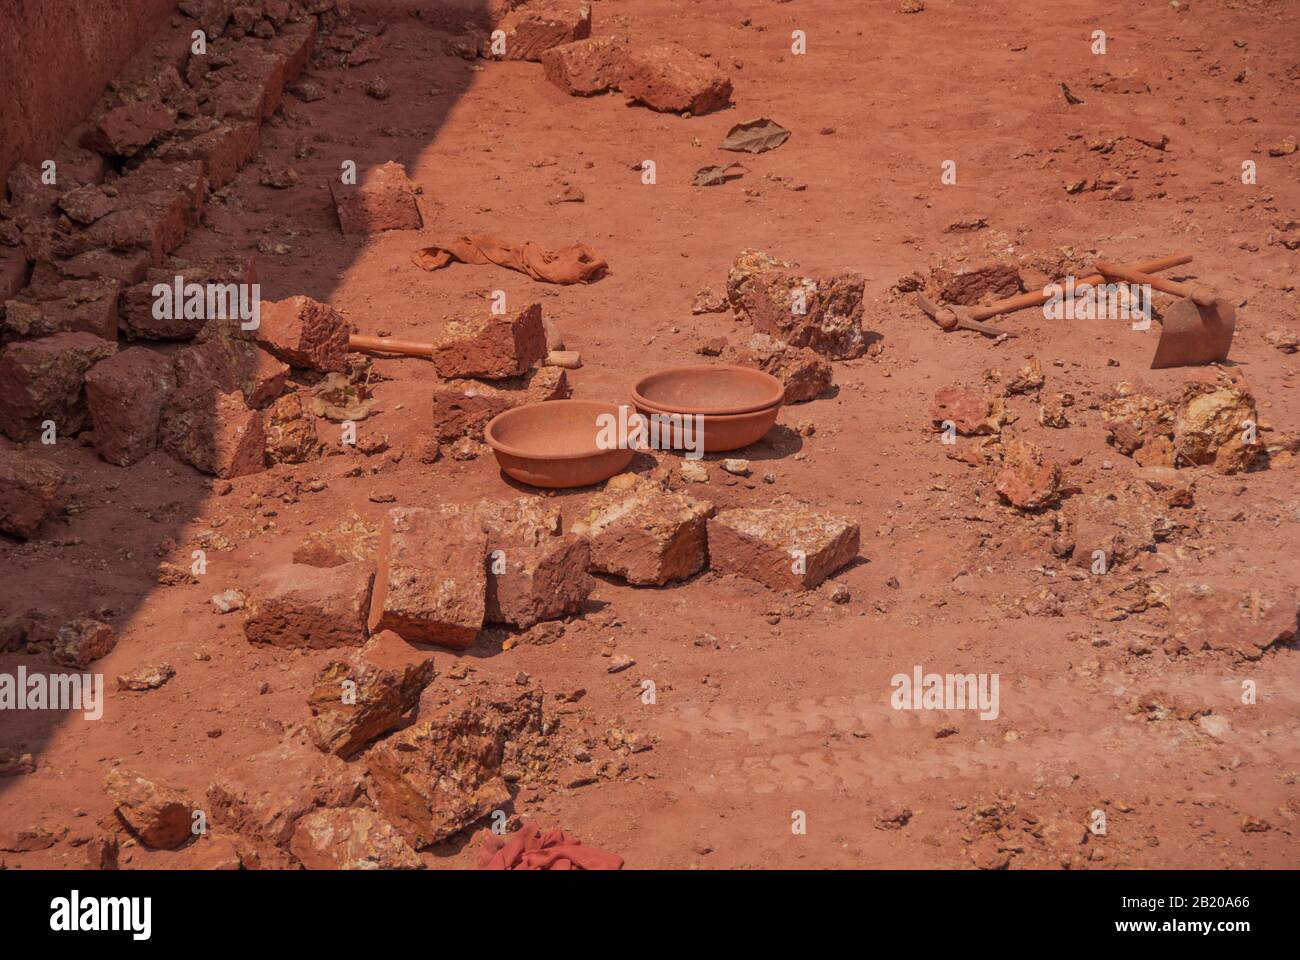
(577, 263)
(530, 849)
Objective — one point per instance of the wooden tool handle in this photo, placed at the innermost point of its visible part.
(1118, 271)
(1038, 298)
(404, 348)
(1198, 293)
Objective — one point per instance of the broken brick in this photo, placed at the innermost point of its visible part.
(291, 435)
(64, 306)
(824, 315)
(441, 775)
(160, 815)
(350, 839)
(82, 641)
(215, 433)
(353, 703)
(223, 150)
(494, 347)
(44, 380)
(1028, 480)
(534, 572)
(644, 533)
(587, 67)
(126, 130)
(462, 408)
(803, 373)
(313, 607)
(384, 199)
(246, 800)
(223, 299)
(783, 548)
(304, 333)
(431, 585)
(671, 79)
(29, 492)
(125, 395)
(970, 412)
(534, 28)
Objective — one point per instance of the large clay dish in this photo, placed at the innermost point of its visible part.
(553, 443)
(721, 389)
(727, 432)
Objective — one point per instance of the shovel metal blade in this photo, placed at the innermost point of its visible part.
(1191, 335)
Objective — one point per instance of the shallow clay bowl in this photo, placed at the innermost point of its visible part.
(721, 389)
(553, 443)
(727, 431)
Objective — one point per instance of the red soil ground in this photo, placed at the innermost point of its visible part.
(772, 703)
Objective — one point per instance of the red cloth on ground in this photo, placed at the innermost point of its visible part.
(577, 263)
(531, 849)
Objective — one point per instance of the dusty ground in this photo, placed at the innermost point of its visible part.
(770, 703)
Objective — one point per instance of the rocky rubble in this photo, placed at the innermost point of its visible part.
(824, 314)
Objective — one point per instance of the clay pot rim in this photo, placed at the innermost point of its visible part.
(776, 399)
(641, 405)
(599, 406)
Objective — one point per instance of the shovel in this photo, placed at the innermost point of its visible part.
(1196, 330)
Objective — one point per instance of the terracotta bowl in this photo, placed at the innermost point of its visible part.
(728, 431)
(553, 443)
(721, 389)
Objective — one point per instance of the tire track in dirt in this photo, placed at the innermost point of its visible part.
(889, 753)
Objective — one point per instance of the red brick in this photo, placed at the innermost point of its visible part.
(244, 799)
(86, 204)
(215, 433)
(383, 199)
(126, 130)
(137, 302)
(251, 87)
(534, 572)
(783, 548)
(311, 607)
(462, 408)
(223, 149)
(492, 347)
(127, 267)
(768, 294)
(669, 78)
(125, 395)
(295, 43)
(588, 67)
(536, 27)
(304, 333)
(45, 380)
(67, 306)
(803, 373)
(30, 491)
(431, 585)
(13, 272)
(644, 533)
(158, 204)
